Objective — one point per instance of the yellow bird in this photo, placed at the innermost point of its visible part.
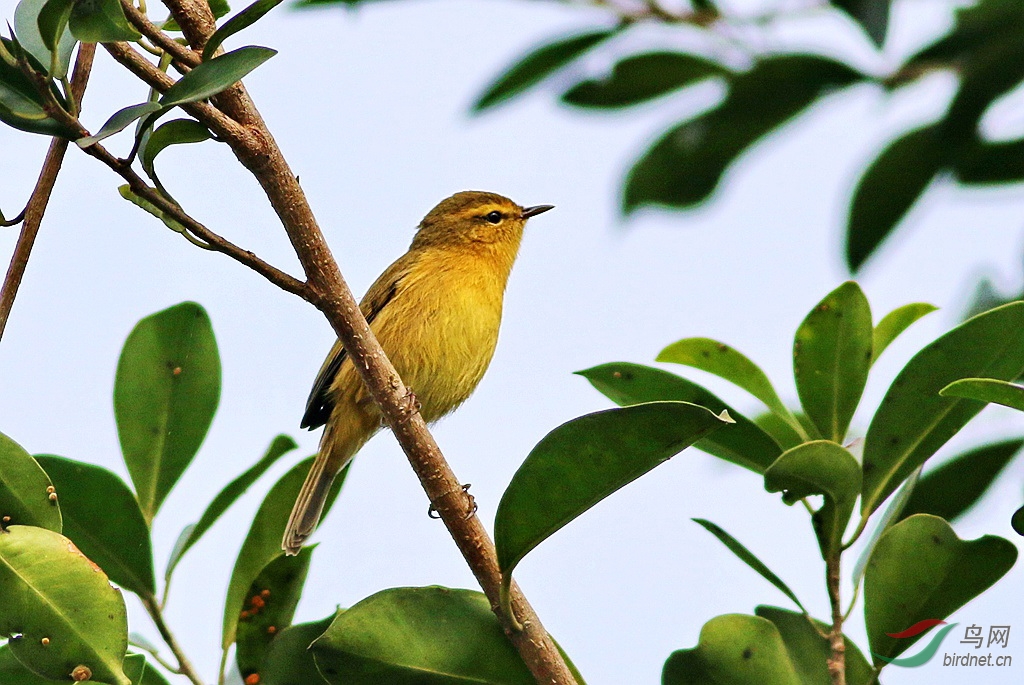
(436, 312)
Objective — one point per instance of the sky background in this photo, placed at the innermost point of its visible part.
(371, 110)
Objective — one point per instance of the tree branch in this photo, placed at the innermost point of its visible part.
(140, 21)
(185, 666)
(837, 658)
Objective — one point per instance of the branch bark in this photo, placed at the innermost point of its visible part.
(837, 658)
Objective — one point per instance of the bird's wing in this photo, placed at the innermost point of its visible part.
(320, 403)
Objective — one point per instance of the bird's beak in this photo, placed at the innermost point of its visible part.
(535, 210)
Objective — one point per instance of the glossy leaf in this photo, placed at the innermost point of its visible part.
(280, 446)
(49, 589)
(809, 651)
(683, 168)
(640, 78)
(119, 121)
(831, 359)
(987, 390)
(27, 19)
(537, 65)
(824, 468)
(263, 543)
(744, 443)
(733, 649)
(102, 517)
(872, 15)
(25, 490)
(215, 75)
(955, 486)
(101, 21)
(165, 395)
(913, 420)
(243, 20)
(583, 461)
(748, 558)
(895, 322)
(175, 132)
(289, 660)
(889, 188)
(920, 570)
(429, 635)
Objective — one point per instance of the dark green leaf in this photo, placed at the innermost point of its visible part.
(873, 15)
(280, 446)
(824, 468)
(13, 672)
(831, 359)
(957, 485)
(733, 649)
(30, 18)
(165, 395)
(243, 20)
(51, 23)
(25, 490)
(809, 651)
(987, 390)
(101, 21)
(537, 65)
(748, 558)
(920, 570)
(421, 636)
(50, 589)
(119, 121)
(781, 430)
(641, 78)
(894, 323)
(684, 166)
(914, 421)
(176, 132)
(21, 106)
(220, 73)
(743, 443)
(979, 162)
(103, 519)
(889, 188)
(984, 22)
(1017, 521)
(289, 660)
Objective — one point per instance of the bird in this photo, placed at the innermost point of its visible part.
(436, 312)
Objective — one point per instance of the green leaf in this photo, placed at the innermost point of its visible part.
(422, 636)
(809, 651)
(920, 570)
(831, 359)
(824, 468)
(889, 188)
(641, 78)
(215, 75)
(781, 430)
(21, 106)
(28, 19)
(51, 23)
(25, 490)
(891, 515)
(101, 21)
(627, 384)
(125, 191)
(987, 390)
(748, 558)
(165, 395)
(872, 15)
(119, 121)
(263, 543)
(683, 168)
(1017, 521)
(243, 20)
(103, 519)
(725, 362)
(895, 322)
(956, 485)
(976, 25)
(914, 421)
(280, 446)
(49, 589)
(269, 606)
(979, 162)
(583, 461)
(289, 660)
(13, 672)
(175, 132)
(538, 64)
(733, 649)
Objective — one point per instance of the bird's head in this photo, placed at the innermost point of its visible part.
(475, 218)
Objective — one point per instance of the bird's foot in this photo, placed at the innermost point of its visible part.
(471, 508)
(410, 404)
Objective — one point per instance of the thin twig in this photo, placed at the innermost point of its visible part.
(185, 666)
(36, 207)
(140, 21)
(837, 646)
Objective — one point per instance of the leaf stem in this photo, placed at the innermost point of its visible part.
(837, 658)
(185, 667)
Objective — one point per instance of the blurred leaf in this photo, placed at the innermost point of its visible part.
(641, 78)
(889, 188)
(25, 490)
(831, 359)
(583, 461)
(125, 191)
(986, 297)
(627, 384)
(957, 484)
(1017, 521)
(103, 519)
(119, 121)
(872, 15)
(263, 543)
(429, 635)
(49, 589)
(920, 570)
(987, 390)
(734, 649)
(537, 65)
(894, 323)
(26, 27)
(684, 166)
(215, 75)
(176, 132)
(289, 660)
(892, 514)
(748, 558)
(976, 25)
(269, 607)
(824, 468)
(101, 21)
(165, 395)
(913, 420)
(779, 428)
(280, 446)
(241, 21)
(809, 652)
(980, 162)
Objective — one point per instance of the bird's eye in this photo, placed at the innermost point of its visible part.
(494, 217)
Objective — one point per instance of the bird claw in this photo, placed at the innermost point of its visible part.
(410, 403)
(470, 510)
